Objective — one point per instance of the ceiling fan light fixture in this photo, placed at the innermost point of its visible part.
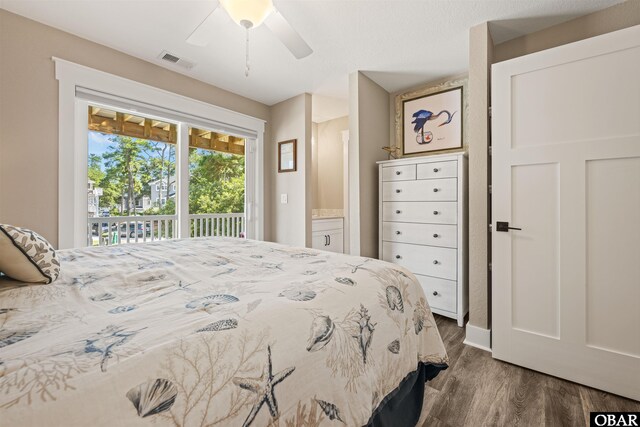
(248, 13)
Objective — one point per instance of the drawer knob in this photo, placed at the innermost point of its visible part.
(398, 257)
(436, 170)
(435, 236)
(398, 191)
(398, 172)
(398, 232)
(398, 211)
(435, 293)
(435, 190)
(435, 261)
(436, 212)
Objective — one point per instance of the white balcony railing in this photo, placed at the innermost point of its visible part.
(227, 224)
(117, 230)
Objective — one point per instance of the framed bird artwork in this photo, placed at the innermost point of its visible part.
(431, 119)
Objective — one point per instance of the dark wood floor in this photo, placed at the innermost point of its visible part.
(478, 390)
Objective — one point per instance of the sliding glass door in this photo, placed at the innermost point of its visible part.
(150, 178)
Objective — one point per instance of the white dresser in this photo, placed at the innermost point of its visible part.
(327, 234)
(423, 226)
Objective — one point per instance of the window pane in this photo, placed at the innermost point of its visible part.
(131, 166)
(216, 186)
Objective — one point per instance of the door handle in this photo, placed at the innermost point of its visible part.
(504, 226)
(325, 240)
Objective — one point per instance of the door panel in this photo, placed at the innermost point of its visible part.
(535, 285)
(566, 170)
(613, 274)
(551, 105)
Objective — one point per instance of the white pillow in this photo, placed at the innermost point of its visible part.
(26, 256)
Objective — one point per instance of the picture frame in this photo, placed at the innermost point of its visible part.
(287, 156)
(433, 119)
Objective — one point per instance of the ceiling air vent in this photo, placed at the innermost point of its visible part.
(181, 62)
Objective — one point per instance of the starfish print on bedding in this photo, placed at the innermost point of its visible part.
(263, 387)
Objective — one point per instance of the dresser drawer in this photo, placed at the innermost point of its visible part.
(438, 170)
(420, 234)
(422, 212)
(399, 173)
(437, 190)
(441, 293)
(427, 260)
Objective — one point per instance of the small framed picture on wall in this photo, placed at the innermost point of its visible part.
(287, 156)
(433, 122)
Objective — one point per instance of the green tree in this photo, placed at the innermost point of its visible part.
(95, 172)
(161, 163)
(124, 163)
(216, 182)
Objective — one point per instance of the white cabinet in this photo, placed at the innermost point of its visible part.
(328, 235)
(423, 226)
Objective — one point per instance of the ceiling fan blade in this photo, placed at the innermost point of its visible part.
(287, 35)
(205, 32)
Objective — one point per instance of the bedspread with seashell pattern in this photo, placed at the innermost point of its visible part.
(210, 331)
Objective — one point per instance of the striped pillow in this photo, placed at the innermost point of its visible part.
(26, 256)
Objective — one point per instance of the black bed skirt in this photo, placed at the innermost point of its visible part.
(402, 407)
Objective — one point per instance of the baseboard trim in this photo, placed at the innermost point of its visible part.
(478, 337)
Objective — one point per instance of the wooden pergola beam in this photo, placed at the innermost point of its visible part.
(133, 130)
(156, 130)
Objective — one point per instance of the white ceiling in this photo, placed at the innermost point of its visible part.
(397, 43)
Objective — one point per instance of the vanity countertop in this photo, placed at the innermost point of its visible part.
(327, 217)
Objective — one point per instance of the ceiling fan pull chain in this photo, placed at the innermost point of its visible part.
(246, 70)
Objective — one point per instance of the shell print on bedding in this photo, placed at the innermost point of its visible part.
(394, 347)
(345, 281)
(102, 297)
(8, 337)
(330, 410)
(153, 397)
(220, 325)
(394, 299)
(264, 389)
(298, 294)
(366, 332)
(209, 300)
(105, 343)
(123, 309)
(421, 315)
(321, 331)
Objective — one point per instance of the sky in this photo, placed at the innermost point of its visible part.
(98, 143)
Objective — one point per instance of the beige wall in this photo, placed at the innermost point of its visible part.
(480, 53)
(29, 112)
(291, 222)
(329, 189)
(623, 15)
(368, 133)
(314, 162)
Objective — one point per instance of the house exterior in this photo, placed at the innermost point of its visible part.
(93, 196)
(161, 191)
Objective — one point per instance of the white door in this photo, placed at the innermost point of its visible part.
(566, 170)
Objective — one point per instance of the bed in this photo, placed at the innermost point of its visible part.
(216, 332)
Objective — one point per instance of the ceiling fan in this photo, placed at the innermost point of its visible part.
(251, 14)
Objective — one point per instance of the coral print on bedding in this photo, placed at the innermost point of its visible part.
(210, 332)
